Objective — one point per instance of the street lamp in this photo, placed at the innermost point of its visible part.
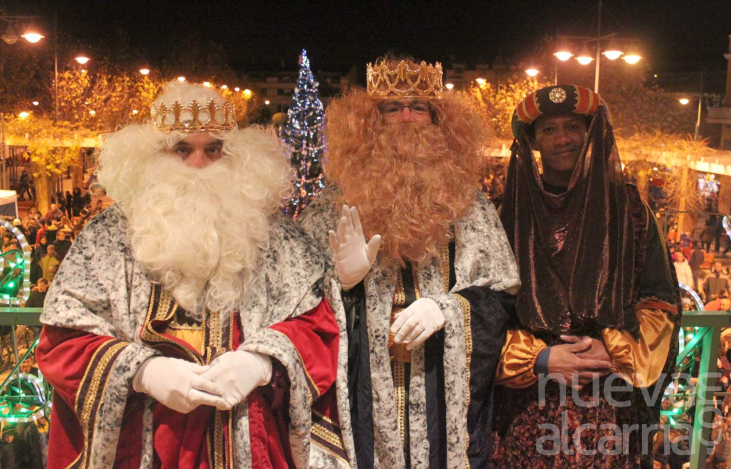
(531, 72)
(36, 103)
(684, 101)
(480, 81)
(145, 71)
(449, 86)
(563, 53)
(633, 54)
(613, 52)
(207, 84)
(266, 102)
(31, 34)
(247, 93)
(181, 79)
(585, 58)
(24, 114)
(82, 58)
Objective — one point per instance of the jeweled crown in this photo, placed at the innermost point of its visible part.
(194, 117)
(404, 79)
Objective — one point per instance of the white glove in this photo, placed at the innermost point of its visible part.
(417, 323)
(238, 373)
(177, 384)
(353, 257)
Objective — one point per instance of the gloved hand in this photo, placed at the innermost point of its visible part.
(177, 384)
(238, 373)
(353, 257)
(417, 323)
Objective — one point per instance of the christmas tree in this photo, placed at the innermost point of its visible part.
(303, 137)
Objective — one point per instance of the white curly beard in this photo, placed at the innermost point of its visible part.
(199, 232)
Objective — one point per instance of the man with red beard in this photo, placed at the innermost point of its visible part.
(424, 298)
(186, 327)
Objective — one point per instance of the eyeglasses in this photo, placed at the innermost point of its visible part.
(391, 108)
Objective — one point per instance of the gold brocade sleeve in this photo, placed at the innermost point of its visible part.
(519, 355)
(640, 362)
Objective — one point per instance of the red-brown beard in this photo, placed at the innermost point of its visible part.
(409, 181)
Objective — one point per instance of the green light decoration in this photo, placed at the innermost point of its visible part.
(15, 276)
(25, 397)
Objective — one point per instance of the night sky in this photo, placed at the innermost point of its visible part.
(675, 35)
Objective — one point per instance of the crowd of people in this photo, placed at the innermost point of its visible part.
(50, 236)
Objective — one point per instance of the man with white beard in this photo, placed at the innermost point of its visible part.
(425, 298)
(170, 354)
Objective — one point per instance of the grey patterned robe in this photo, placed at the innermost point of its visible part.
(100, 289)
(482, 266)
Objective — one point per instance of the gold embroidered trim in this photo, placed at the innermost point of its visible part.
(163, 312)
(218, 441)
(327, 419)
(329, 450)
(466, 313)
(91, 394)
(399, 388)
(417, 292)
(399, 298)
(326, 435)
(444, 266)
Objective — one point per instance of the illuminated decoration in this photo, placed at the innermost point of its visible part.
(17, 280)
(303, 136)
(480, 81)
(224, 87)
(237, 89)
(25, 397)
(708, 185)
(247, 93)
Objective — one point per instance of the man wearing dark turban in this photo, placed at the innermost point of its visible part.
(598, 303)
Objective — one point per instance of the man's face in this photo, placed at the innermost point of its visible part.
(198, 150)
(61, 236)
(51, 250)
(405, 110)
(53, 207)
(8, 438)
(42, 286)
(26, 366)
(559, 139)
(717, 267)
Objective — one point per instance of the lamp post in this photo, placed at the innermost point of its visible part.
(612, 51)
(685, 101)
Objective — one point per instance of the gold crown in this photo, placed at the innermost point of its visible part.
(194, 117)
(401, 81)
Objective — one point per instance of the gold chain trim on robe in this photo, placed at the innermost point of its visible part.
(467, 314)
(93, 397)
(399, 389)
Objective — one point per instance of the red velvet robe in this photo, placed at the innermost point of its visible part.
(77, 364)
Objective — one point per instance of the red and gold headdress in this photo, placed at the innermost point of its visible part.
(391, 79)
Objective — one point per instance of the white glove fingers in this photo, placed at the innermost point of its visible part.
(343, 230)
(404, 331)
(357, 227)
(400, 320)
(195, 368)
(415, 332)
(334, 244)
(196, 398)
(419, 340)
(372, 248)
(205, 383)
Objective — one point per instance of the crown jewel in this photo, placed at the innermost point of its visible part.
(405, 79)
(194, 117)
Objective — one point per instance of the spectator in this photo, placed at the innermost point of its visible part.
(53, 213)
(31, 229)
(709, 232)
(40, 250)
(720, 304)
(19, 226)
(33, 215)
(682, 268)
(7, 237)
(69, 204)
(697, 256)
(38, 295)
(7, 450)
(79, 201)
(52, 229)
(24, 185)
(716, 282)
(50, 263)
(62, 244)
(36, 273)
(41, 231)
(36, 437)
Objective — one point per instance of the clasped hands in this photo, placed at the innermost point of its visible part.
(579, 361)
(183, 386)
